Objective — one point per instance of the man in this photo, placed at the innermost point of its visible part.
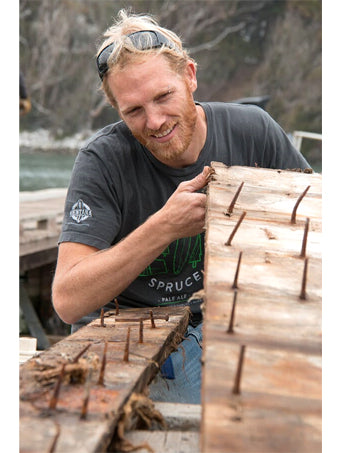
(135, 209)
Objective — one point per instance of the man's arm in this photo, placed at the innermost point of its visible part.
(87, 279)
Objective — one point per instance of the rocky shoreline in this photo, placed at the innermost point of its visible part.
(41, 140)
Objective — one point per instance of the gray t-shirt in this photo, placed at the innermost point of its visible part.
(116, 184)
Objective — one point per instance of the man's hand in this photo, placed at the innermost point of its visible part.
(86, 279)
(184, 212)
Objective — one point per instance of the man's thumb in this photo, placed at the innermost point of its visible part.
(200, 180)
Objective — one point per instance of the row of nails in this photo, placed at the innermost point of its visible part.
(151, 317)
(293, 220)
(302, 294)
(304, 241)
(304, 278)
(294, 211)
(54, 398)
(237, 380)
(117, 311)
(83, 415)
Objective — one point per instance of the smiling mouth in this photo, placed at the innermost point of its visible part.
(165, 133)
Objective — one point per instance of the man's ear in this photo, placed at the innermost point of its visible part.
(190, 75)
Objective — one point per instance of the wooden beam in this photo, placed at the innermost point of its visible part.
(59, 427)
(38, 258)
(267, 398)
(32, 320)
(165, 441)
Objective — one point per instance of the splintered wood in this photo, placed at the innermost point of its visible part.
(261, 380)
(72, 395)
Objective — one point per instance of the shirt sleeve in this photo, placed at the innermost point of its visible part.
(92, 214)
(279, 151)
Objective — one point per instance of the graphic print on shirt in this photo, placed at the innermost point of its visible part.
(80, 211)
(178, 255)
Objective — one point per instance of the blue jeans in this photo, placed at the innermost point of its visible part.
(184, 370)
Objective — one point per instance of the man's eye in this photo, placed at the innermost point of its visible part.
(164, 96)
(133, 111)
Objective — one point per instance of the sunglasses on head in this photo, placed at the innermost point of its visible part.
(141, 40)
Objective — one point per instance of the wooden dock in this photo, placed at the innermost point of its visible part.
(40, 217)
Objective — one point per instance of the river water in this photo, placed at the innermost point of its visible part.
(44, 170)
(45, 162)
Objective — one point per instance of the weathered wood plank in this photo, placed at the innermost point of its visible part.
(39, 376)
(278, 407)
(33, 322)
(40, 216)
(179, 416)
(165, 441)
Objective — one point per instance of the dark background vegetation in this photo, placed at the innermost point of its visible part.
(243, 49)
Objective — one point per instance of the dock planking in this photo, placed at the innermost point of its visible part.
(262, 361)
(40, 217)
(40, 221)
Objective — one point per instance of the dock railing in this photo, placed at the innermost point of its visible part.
(297, 138)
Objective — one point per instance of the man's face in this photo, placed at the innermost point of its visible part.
(157, 105)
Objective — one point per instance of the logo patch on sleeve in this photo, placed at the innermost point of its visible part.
(80, 211)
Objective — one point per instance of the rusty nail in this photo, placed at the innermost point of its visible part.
(293, 217)
(231, 322)
(56, 436)
(144, 318)
(304, 279)
(305, 238)
(234, 286)
(236, 388)
(79, 355)
(141, 331)
(126, 353)
(152, 320)
(232, 204)
(54, 398)
(86, 397)
(102, 318)
(243, 215)
(84, 409)
(103, 365)
(85, 404)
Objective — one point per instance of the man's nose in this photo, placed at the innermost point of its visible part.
(154, 118)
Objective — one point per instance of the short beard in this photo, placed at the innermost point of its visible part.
(176, 147)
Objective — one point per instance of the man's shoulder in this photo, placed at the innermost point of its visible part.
(241, 119)
(233, 108)
(116, 133)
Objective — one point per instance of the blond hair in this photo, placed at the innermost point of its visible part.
(125, 52)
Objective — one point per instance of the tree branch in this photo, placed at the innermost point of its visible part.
(210, 44)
